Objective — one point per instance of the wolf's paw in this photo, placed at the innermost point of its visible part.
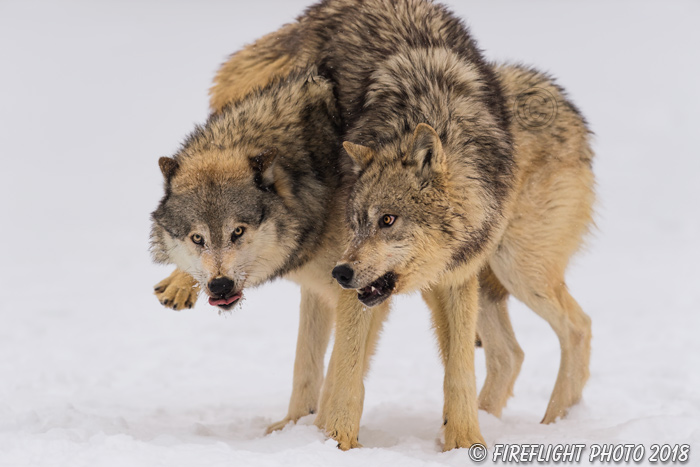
(455, 438)
(493, 399)
(562, 400)
(279, 425)
(177, 291)
(555, 412)
(293, 417)
(345, 438)
(489, 405)
(345, 441)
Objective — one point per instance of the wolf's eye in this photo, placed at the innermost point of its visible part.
(387, 220)
(197, 239)
(237, 233)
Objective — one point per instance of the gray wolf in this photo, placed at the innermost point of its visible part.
(431, 133)
(255, 194)
(430, 212)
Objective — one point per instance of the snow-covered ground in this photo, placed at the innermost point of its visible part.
(94, 372)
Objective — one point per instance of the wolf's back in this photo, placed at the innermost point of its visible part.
(554, 158)
(544, 119)
(351, 39)
(347, 39)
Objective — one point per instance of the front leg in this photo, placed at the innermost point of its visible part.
(357, 329)
(315, 324)
(457, 304)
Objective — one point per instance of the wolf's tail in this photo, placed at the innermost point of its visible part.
(271, 57)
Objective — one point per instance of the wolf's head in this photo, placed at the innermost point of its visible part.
(412, 216)
(246, 197)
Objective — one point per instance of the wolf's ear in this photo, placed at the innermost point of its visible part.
(262, 166)
(426, 151)
(168, 166)
(360, 155)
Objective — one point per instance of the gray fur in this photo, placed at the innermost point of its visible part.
(294, 123)
(397, 64)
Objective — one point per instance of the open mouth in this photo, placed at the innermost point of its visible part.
(377, 291)
(226, 303)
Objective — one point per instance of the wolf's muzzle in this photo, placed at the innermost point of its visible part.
(223, 293)
(343, 273)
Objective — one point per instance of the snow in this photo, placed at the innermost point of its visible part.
(94, 372)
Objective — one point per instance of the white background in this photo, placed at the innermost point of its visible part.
(93, 371)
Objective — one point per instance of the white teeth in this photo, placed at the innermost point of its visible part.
(373, 289)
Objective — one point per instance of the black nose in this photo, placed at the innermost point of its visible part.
(221, 286)
(343, 274)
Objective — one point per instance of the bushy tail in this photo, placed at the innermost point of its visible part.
(271, 57)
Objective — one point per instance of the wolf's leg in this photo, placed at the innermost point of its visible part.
(440, 324)
(457, 305)
(315, 324)
(179, 290)
(271, 57)
(548, 296)
(379, 315)
(357, 329)
(504, 356)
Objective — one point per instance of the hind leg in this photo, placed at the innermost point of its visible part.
(543, 289)
(552, 212)
(504, 357)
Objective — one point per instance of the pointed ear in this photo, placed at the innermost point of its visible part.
(262, 166)
(168, 166)
(360, 155)
(426, 151)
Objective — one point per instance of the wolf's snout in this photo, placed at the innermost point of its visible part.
(343, 273)
(221, 286)
(223, 293)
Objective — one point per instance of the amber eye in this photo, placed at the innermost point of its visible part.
(237, 233)
(387, 220)
(197, 239)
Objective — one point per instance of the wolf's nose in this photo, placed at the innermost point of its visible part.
(343, 274)
(221, 286)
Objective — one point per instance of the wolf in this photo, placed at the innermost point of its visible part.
(488, 206)
(430, 214)
(440, 196)
(256, 194)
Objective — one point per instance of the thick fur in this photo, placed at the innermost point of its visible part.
(462, 209)
(398, 65)
(253, 67)
(552, 211)
(523, 230)
(270, 162)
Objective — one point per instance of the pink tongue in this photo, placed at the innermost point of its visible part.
(224, 301)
